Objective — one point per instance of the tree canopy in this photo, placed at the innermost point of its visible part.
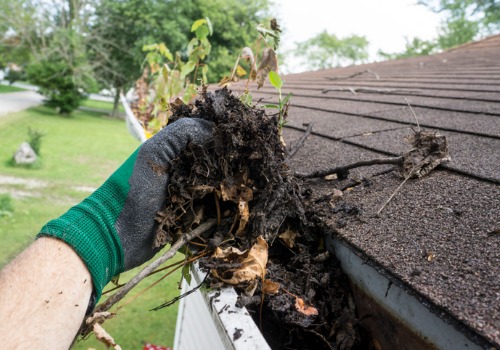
(107, 36)
(465, 21)
(326, 50)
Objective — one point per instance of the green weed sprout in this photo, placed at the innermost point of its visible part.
(283, 103)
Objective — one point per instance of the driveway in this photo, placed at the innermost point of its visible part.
(17, 101)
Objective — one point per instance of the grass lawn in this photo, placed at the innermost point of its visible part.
(8, 88)
(104, 105)
(78, 154)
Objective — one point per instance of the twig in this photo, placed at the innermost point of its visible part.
(394, 193)
(301, 142)
(414, 115)
(372, 90)
(345, 168)
(354, 75)
(112, 300)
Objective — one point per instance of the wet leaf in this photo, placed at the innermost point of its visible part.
(270, 287)
(305, 308)
(269, 62)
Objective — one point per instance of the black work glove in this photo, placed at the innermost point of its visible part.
(113, 229)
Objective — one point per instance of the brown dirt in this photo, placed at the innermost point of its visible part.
(246, 165)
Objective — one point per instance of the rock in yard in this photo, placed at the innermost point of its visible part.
(25, 155)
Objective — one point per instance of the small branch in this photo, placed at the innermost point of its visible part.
(393, 194)
(112, 300)
(372, 90)
(414, 115)
(355, 75)
(345, 168)
(301, 142)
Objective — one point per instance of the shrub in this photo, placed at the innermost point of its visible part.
(14, 75)
(55, 80)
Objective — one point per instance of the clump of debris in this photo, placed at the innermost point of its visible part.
(263, 243)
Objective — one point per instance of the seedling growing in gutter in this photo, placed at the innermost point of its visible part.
(283, 103)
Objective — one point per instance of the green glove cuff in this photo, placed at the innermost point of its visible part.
(89, 227)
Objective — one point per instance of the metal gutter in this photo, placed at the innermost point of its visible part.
(431, 330)
(211, 320)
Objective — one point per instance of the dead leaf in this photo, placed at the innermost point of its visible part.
(269, 62)
(430, 149)
(253, 265)
(244, 212)
(305, 308)
(331, 177)
(270, 287)
(99, 317)
(247, 53)
(228, 254)
(430, 256)
(288, 238)
(236, 189)
(198, 215)
(240, 71)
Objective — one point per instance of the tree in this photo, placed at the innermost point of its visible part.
(415, 47)
(128, 25)
(327, 50)
(233, 21)
(121, 29)
(466, 20)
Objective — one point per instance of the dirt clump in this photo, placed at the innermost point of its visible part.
(264, 245)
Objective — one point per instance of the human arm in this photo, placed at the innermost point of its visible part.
(44, 294)
(110, 231)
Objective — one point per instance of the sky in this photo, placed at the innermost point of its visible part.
(385, 23)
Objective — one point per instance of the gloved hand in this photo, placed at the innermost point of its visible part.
(113, 229)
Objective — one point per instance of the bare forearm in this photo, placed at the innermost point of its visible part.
(44, 293)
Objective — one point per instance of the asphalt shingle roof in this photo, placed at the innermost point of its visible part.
(454, 213)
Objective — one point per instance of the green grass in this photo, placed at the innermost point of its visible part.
(8, 88)
(82, 150)
(103, 105)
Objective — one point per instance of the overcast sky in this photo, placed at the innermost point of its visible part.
(385, 23)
